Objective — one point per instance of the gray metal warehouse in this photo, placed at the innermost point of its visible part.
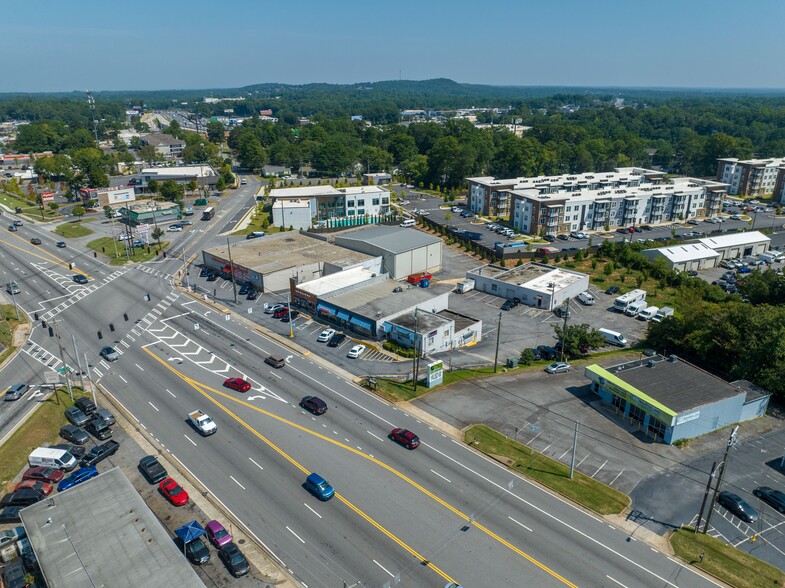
(403, 251)
(735, 245)
(669, 399)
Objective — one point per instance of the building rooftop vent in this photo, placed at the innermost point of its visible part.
(673, 358)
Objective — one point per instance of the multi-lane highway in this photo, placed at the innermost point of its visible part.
(424, 517)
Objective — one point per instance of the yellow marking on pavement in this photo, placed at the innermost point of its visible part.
(200, 387)
(49, 259)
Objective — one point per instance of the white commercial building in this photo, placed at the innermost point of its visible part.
(292, 213)
(327, 202)
(735, 245)
(751, 177)
(693, 256)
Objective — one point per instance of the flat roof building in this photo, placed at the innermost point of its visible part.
(692, 256)
(149, 211)
(101, 533)
(434, 332)
(668, 399)
(166, 146)
(733, 245)
(329, 206)
(751, 177)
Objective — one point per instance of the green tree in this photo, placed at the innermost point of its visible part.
(158, 234)
(53, 206)
(215, 132)
(609, 268)
(171, 190)
(149, 154)
(527, 357)
(576, 338)
(78, 211)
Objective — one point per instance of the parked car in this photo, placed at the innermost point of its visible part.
(174, 228)
(85, 405)
(355, 351)
(78, 451)
(253, 294)
(612, 290)
(197, 552)
(273, 308)
(234, 560)
(212, 277)
(336, 340)
(325, 335)
(15, 392)
(109, 354)
(173, 492)
(80, 279)
(10, 515)
(549, 238)
(509, 304)
(75, 416)
(547, 352)
(290, 316)
(319, 487)
(557, 367)
(737, 506)
(74, 434)
(314, 405)
(44, 487)
(105, 415)
(405, 437)
(244, 289)
(98, 429)
(152, 469)
(43, 474)
(281, 312)
(217, 534)
(77, 477)
(774, 498)
(237, 384)
(100, 452)
(562, 312)
(24, 497)
(536, 353)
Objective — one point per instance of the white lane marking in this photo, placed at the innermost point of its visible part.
(153, 405)
(140, 367)
(312, 510)
(145, 428)
(295, 534)
(235, 350)
(170, 392)
(520, 523)
(442, 477)
(385, 569)
(617, 477)
(613, 580)
(191, 440)
(599, 468)
(276, 375)
(256, 464)
(236, 482)
(122, 378)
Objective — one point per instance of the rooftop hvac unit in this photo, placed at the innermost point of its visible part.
(673, 358)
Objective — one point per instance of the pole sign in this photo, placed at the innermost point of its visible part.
(435, 374)
(51, 377)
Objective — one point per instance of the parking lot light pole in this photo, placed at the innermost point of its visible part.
(705, 496)
(723, 465)
(498, 336)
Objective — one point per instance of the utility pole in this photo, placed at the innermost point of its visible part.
(62, 359)
(78, 363)
(234, 283)
(414, 359)
(564, 329)
(498, 337)
(705, 496)
(13, 298)
(288, 310)
(731, 441)
(90, 377)
(574, 449)
(185, 270)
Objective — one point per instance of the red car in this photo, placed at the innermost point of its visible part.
(173, 492)
(406, 438)
(237, 384)
(44, 487)
(43, 474)
(280, 313)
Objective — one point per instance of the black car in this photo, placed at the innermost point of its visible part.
(204, 272)
(244, 289)
(10, 514)
(547, 352)
(549, 238)
(290, 316)
(24, 497)
(77, 451)
(85, 405)
(80, 279)
(508, 305)
(563, 237)
(61, 244)
(35, 241)
(612, 290)
(692, 273)
(314, 405)
(74, 434)
(196, 551)
(774, 498)
(252, 294)
(76, 416)
(100, 452)
(98, 428)
(152, 469)
(536, 353)
(737, 506)
(233, 559)
(646, 227)
(212, 277)
(562, 312)
(336, 340)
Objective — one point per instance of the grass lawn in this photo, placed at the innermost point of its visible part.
(73, 229)
(33, 210)
(727, 563)
(42, 427)
(582, 489)
(106, 246)
(7, 326)
(260, 218)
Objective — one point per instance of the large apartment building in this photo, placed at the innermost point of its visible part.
(751, 177)
(598, 201)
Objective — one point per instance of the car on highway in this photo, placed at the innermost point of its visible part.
(61, 244)
(109, 354)
(152, 469)
(233, 559)
(237, 384)
(290, 316)
(12, 228)
(336, 340)
(217, 534)
(43, 474)
(174, 228)
(355, 351)
(774, 498)
(173, 492)
(15, 392)
(325, 335)
(44, 487)
(18, 223)
(76, 417)
(557, 367)
(319, 487)
(74, 434)
(80, 279)
(737, 506)
(405, 437)
(197, 552)
(77, 477)
(314, 405)
(85, 405)
(35, 241)
(99, 453)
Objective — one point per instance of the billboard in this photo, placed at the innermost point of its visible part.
(116, 196)
(47, 197)
(435, 374)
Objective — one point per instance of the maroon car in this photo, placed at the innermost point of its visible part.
(405, 437)
(43, 474)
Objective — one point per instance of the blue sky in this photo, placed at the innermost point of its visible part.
(55, 46)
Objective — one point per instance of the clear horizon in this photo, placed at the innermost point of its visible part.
(196, 45)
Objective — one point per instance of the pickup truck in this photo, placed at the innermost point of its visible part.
(202, 423)
(100, 453)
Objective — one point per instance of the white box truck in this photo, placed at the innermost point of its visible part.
(662, 313)
(465, 286)
(622, 302)
(203, 423)
(613, 337)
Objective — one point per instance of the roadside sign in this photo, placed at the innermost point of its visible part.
(51, 377)
(65, 370)
(143, 228)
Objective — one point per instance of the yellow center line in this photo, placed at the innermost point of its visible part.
(50, 258)
(202, 388)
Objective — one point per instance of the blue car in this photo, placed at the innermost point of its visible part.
(79, 476)
(319, 487)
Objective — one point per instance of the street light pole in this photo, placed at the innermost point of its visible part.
(13, 298)
(705, 496)
(723, 465)
(234, 283)
(78, 363)
(185, 269)
(414, 359)
(498, 337)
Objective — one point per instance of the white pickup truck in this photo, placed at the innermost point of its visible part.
(203, 423)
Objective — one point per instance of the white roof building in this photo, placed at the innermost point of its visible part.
(692, 256)
(735, 245)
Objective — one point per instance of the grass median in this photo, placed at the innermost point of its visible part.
(43, 426)
(727, 563)
(8, 325)
(582, 489)
(73, 229)
(115, 250)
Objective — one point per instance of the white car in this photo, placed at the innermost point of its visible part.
(325, 335)
(174, 228)
(355, 351)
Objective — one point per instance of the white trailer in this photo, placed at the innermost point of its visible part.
(622, 302)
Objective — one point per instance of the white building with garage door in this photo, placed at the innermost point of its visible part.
(735, 245)
(692, 256)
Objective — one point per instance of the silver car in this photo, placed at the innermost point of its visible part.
(109, 354)
(15, 392)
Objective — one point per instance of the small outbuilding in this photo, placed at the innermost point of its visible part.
(692, 256)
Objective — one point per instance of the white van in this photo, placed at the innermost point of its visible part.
(409, 222)
(52, 458)
(586, 298)
(635, 308)
(613, 337)
(648, 313)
